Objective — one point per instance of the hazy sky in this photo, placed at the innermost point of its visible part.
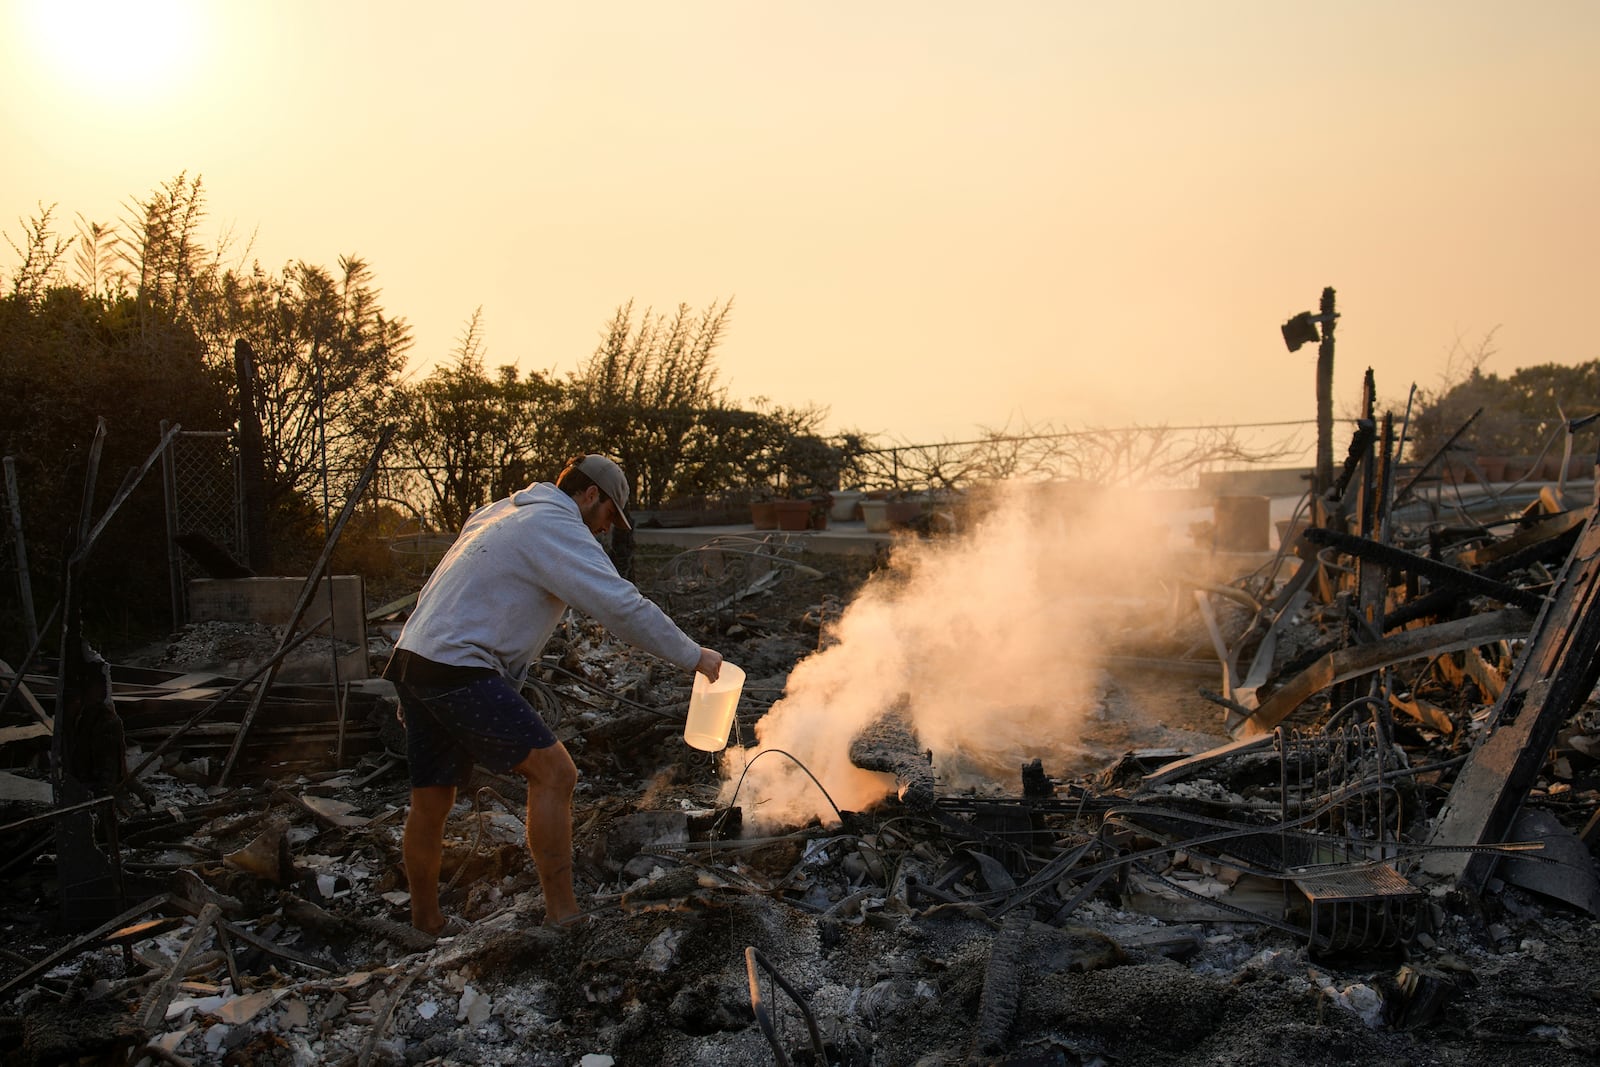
(931, 217)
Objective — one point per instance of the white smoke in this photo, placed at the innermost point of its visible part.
(992, 640)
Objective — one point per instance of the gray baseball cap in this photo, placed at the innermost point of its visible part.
(612, 482)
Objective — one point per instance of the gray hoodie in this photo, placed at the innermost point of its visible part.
(500, 590)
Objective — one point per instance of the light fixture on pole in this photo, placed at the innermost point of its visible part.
(1300, 330)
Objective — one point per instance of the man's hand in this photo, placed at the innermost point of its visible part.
(710, 663)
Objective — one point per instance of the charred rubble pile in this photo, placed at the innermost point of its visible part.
(1387, 854)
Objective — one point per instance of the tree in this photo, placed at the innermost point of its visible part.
(470, 438)
(167, 260)
(762, 451)
(325, 350)
(326, 355)
(1123, 456)
(148, 332)
(99, 252)
(644, 395)
(168, 267)
(70, 358)
(41, 251)
(649, 397)
(1521, 415)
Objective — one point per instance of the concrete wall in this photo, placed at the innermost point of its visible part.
(1282, 481)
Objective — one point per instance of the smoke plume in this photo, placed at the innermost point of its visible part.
(991, 641)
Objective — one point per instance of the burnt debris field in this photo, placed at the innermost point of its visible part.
(1030, 789)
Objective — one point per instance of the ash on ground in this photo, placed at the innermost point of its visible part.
(895, 937)
(239, 649)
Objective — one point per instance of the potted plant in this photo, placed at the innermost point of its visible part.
(763, 512)
(820, 506)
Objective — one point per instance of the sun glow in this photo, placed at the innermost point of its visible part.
(112, 50)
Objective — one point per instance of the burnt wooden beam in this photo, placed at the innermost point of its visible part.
(27, 661)
(256, 941)
(1327, 317)
(86, 753)
(1552, 678)
(1353, 661)
(1551, 550)
(1002, 984)
(1366, 430)
(313, 917)
(91, 940)
(19, 686)
(1373, 577)
(1442, 574)
(1442, 602)
(890, 745)
(1528, 542)
(154, 1009)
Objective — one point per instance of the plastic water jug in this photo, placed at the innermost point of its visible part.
(711, 708)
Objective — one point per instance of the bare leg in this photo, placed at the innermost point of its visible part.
(422, 848)
(551, 777)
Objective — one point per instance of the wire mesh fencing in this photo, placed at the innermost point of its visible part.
(201, 480)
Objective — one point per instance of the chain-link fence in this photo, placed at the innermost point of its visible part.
(201, 480)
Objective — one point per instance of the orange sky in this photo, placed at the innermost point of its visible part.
(931, 217)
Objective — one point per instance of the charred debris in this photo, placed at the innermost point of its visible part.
(1388, 853)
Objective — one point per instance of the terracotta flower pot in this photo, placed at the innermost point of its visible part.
(793, 514)
(1499, 468)
(764, 514)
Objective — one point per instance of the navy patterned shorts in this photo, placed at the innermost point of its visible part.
(451, 727)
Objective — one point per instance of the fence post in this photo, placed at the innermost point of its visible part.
(24, 584)
(169, 495)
